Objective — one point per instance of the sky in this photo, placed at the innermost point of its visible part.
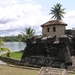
(16, 15)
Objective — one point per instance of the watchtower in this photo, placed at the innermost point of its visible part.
(53, 27)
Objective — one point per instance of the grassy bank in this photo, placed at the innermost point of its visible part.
(14, 55)
(9, 70)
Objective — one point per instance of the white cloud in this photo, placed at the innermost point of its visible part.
(15, 16)
(29, 1)
(19, 16)
(70, 19)
(8, 2)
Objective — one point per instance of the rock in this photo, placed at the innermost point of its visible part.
(52, 71)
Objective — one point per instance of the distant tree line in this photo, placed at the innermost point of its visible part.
(29, 32)
(12, 38)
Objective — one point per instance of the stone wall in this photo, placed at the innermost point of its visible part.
(60, 30)
(70, 32)
(52, 71)
(10, 61)
(73, 32)
(48, 47)
(39, 61)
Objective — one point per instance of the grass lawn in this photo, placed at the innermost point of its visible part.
(71, 74)
(13, 70)
(9, 70)
(14, 55)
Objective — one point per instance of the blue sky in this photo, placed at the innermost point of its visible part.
(15, 15)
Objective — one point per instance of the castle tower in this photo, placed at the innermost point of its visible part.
(53, 27)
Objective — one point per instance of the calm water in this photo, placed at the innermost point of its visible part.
(14, 46)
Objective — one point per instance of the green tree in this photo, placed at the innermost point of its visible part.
(57, 11)
(28, 33)
(3, 48)
(19, 37)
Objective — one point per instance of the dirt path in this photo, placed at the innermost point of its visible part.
(13, 70)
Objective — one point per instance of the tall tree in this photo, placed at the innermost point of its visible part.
(57, 11)
(28, 33)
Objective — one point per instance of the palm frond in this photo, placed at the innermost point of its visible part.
(3, 49)
(29, 32)
(57, 11)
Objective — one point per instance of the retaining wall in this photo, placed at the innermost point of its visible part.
(10, 61)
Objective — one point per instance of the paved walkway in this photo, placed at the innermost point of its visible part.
(1, 62)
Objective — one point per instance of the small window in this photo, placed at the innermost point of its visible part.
(48, 29)
(54, 29)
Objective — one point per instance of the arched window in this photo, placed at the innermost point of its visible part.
(48, 29)
(54, 29)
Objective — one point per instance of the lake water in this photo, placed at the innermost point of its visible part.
(14, 46)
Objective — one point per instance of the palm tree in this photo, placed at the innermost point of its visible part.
(1, 42)
(3, 48)
(28, 33)
(57, 11)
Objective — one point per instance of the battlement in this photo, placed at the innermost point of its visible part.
(48, 47)
(66, 39)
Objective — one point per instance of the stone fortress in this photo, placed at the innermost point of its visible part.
(53, 48)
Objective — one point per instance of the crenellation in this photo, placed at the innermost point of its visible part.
(45, 47)
(52, 49)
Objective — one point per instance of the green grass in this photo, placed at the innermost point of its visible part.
(71, 74)
(14, 55)
(18, 55)
(14, 70)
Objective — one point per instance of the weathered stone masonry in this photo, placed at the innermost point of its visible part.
(54, 48)
(46, 51)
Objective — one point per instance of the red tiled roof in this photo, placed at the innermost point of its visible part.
(53, 22)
